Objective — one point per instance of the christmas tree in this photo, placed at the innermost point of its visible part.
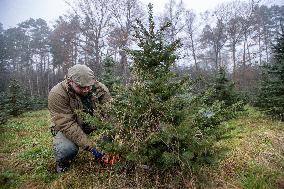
(271, 95)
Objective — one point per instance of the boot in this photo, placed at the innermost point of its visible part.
(61, 167)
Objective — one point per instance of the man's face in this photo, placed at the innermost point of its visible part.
(79, 89)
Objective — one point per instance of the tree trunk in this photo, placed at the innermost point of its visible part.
(48, 79)
(234, 60)
(259, 47)
(193, 52)
(249, 55)
(244, 52)
(37, 84)
(30, 86)
(123, 63)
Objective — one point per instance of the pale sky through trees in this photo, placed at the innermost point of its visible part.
(13, 12)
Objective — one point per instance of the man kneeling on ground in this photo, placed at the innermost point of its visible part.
(79, 91)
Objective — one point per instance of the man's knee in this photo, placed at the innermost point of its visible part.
(64, 149)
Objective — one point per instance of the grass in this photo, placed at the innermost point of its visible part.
(254, 159)
(26, 154)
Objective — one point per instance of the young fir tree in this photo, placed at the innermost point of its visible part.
(108, 76)
(148, 111)
(271, 95)
(224, 89)
(218, 103)
(155, 120)
(158, 122)
(14, 101)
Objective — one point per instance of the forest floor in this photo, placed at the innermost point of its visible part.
(254, 158)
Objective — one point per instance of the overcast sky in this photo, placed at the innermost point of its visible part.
(13, 12)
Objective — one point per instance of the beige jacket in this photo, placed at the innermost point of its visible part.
(62, 103)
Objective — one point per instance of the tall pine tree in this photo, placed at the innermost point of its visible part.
(271, 96)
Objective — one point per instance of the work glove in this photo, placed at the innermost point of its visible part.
(96, 153)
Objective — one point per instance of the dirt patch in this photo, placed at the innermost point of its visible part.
(22, 133)
(33, 185)
(4, 180)
(280, 183)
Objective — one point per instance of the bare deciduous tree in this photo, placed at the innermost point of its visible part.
(190, 30)
(174, 13)
(64, 43)
(125, 13)
(215, 38)
(235, 15)
(95, 18)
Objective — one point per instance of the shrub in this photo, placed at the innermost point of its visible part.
(16, 100)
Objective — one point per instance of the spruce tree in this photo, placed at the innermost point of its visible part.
(108, 76)
(13, 102)
(16, 100)
(223, 89)
(271, 95)
(149, 109)
(156, 119)
(218, 103)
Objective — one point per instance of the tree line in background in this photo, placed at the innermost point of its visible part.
(236, 36)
